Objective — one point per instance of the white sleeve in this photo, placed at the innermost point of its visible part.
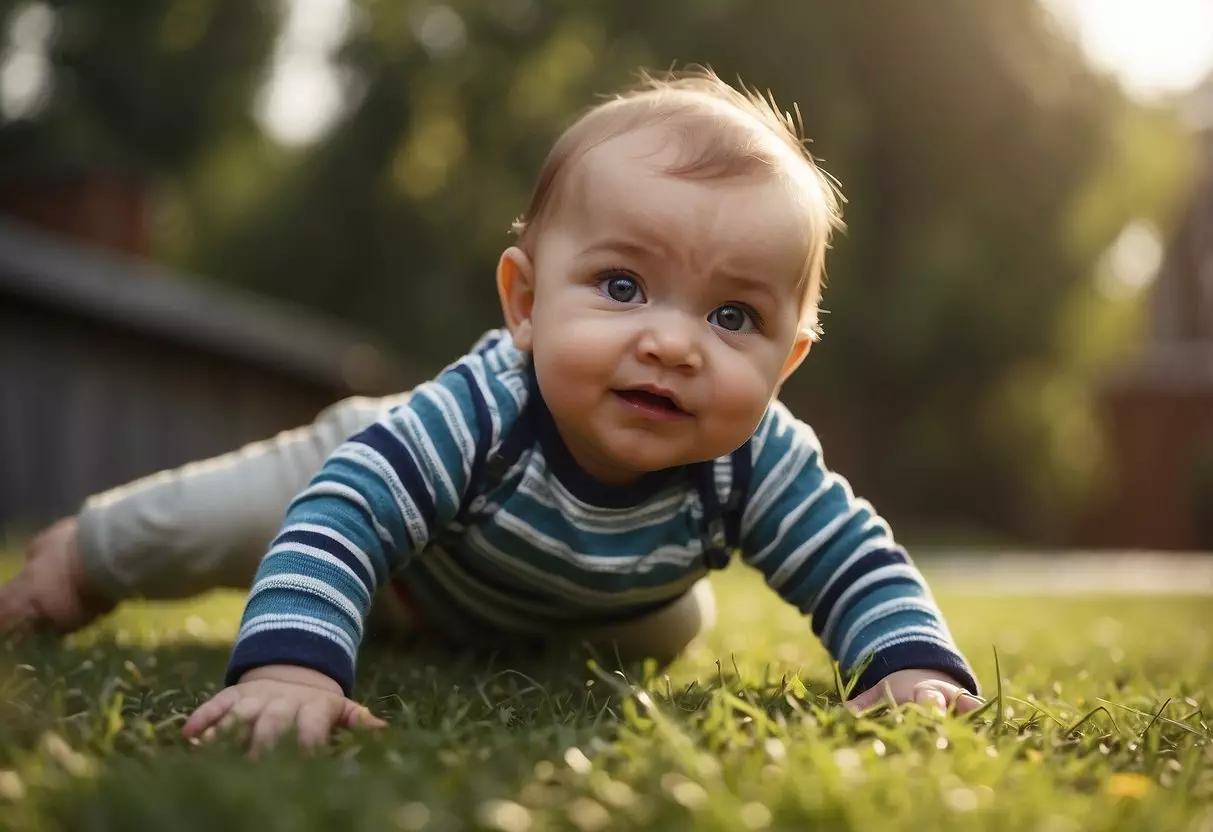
(207, 524)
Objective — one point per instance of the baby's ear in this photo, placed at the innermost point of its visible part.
(516, 288)
(800, 349)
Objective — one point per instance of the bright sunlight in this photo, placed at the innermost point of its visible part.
(1155, 46)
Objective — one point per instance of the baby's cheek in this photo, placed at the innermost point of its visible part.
(741, 401)
(560, 342)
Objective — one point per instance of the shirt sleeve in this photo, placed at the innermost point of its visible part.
(834, 558)
(377, 500)
(207, 524)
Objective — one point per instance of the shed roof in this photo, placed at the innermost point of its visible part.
(60, 274)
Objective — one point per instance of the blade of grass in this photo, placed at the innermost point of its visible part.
(1159, 717)
(1156, 717)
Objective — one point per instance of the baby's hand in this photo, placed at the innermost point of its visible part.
(51, 589)
(929, 688)
(274, 699)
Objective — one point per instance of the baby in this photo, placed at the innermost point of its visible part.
(581, 470)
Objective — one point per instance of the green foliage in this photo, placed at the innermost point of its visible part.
(1096, 723)
(140, 87)
(986, 166)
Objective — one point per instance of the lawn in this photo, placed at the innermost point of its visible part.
(1103, 723)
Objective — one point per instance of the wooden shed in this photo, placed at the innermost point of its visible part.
(111, 368)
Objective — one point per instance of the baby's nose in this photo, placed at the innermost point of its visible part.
(671, 343)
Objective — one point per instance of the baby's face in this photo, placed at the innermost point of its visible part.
(666, 310)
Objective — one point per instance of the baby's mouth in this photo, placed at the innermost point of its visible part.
(651, 402)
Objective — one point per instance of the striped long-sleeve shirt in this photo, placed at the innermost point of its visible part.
(541, 547)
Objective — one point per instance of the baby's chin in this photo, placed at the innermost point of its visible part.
(636, 463)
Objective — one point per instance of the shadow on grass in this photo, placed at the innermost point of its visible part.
(464, 728)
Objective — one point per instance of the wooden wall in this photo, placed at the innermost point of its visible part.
(85, 406)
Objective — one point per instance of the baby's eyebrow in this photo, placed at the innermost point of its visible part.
(641, 248)
(630, 247)
(751, 284)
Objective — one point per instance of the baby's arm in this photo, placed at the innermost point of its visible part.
(377, 500)
(831, 556)
(207, 524)
(176, 533)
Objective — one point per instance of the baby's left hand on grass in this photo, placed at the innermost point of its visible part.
(928, 688)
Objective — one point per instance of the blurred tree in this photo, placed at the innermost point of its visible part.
(986, 166)
(141, 86)
(105, 105)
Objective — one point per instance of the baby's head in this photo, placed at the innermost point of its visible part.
(668, 272)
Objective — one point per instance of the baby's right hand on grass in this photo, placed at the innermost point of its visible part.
(272, 700)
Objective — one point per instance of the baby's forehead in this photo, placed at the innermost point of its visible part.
(689, 135)
(629, 167)
(705, 135)
(629, 173)
(619, 163)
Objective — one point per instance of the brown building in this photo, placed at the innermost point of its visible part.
(111, 368)
(1159, 411)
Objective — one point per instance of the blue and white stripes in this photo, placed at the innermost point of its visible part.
(533, 553)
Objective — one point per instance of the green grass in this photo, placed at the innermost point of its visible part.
(1102, 723)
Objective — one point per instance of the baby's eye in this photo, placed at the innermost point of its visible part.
(734, 318)
(622, 287)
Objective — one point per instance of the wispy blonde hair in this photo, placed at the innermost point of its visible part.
(722, 132)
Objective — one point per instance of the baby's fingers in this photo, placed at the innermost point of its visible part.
(16, 611)
(210, 712)
(316, 721)
(272, 722)
(931, 698)
(360, 716)
(939, 696)
(966, 702)
(244, 712)
(870, 698)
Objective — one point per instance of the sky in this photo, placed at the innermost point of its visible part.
(1155, 47)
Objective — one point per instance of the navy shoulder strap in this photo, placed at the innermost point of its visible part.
(743, 469)
(722, 523)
